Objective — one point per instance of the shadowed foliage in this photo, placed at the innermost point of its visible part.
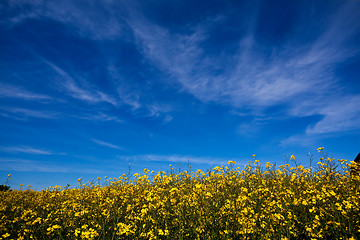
(4, 188)
(355, 168)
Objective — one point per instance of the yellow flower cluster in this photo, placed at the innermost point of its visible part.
(284, 202)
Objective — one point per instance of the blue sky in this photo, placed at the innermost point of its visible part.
(87, 87)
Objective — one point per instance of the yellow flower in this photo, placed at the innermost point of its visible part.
(6, 235)
(145, 207)
(292, 157)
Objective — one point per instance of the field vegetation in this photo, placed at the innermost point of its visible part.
(256, 202)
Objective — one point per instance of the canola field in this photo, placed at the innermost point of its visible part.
(256, 202)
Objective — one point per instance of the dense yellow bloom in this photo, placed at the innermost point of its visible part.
(278, 202)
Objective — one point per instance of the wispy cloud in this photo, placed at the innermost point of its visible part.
(106, 144)
(27, 165)
(248, 129)
(130, 95)
(70, 85)
(21, 113)
(28, 150)
(127, 94)
(300, 76)
(99, 116)
(156, 109)
(342, 115)
(69, 81)
(10, 91)
(178, 159)
(252, 80)
(93, 19)
(92, 95)
(302, 140)
(294, 75)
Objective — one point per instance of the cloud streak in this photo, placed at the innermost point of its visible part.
(299, 76)
(82, 93)
(80, 16)
(26, 165)
(20, 113)
(341, 116)
(71, 84)
(27, 150)
(79, 88)
(9, 91)
(177, 159)
(99, 116)
(106, 144)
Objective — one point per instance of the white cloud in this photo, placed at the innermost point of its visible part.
(156, 109)
(95, 19)
(100, 116)
(28, 150)
(178, 159)
(106, 144)
(126, 92)
(10, 91)
(339, 116)
(91, 95)
(253, 80)
(21, 113)
(308, 141)
(72, 84)
(129, 94)
(298, 76)
(342, 115)
(72, 88)
(168, 118)
(248, 129)
(27, 165)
